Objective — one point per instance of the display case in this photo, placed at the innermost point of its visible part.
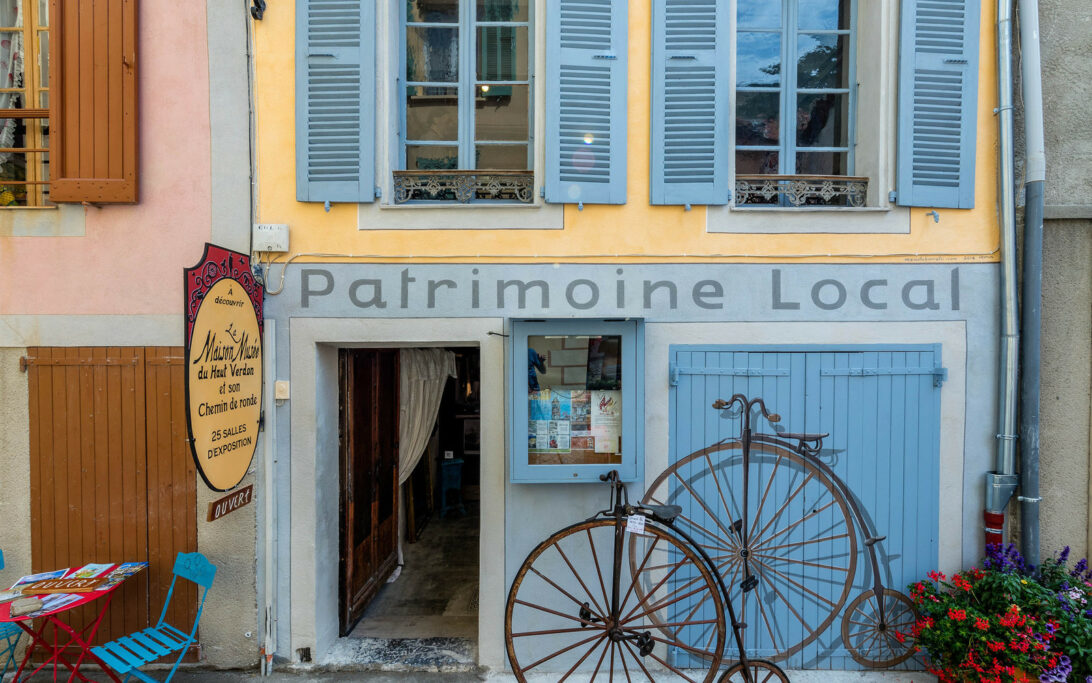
(577, 402)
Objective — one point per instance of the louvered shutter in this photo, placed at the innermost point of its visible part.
(335, 100)
(938, 99)
(690, 89)
(93, 93)
(586, 101)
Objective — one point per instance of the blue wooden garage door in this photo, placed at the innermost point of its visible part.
(880, 406)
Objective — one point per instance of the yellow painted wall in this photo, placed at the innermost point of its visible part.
(635, 231)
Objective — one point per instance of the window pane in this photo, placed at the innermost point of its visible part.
(502, 53)
(759, 13)
(43, 58)
(501, 112)
(502, 157)
(757, 116)
(758, 59)
(432, 54)
(822, 121)
(824, 14)
(431, 157)
(752, 163)
(821, 163)
(43, 12)
(432, 113)
(503, 10)
(574, 399)
(822, 61)
(433, 10)
(11, 69)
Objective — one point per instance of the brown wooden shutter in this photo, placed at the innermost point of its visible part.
(93, 101)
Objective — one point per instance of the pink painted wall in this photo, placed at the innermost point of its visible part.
(131, 257)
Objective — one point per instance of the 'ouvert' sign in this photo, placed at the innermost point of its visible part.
(223, 365)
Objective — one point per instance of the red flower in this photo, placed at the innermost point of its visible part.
(995, 646)
(936, 576)
(981, 624)
(961, 583)
(957, 614)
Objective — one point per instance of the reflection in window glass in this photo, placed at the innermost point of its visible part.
(432, 113)
(24, 78)
(574, 397)
(433, 11)
(503, 10)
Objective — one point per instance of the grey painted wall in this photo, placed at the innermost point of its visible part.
(15, 467)
(1066, 44)
(796, 304)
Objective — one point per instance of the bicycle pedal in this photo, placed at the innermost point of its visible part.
(749, 584)
(645, 643)
(737, 526)
(585, 615)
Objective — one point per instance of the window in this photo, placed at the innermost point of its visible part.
(795, 103)
(576, 388)
(24, 103)
(466, 98)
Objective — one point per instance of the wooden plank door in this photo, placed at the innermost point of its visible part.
(111, 476)
(369, 476)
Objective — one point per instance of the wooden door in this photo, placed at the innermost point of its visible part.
(369, 476)
(112, 479)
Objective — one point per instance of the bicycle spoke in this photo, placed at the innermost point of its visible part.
(699, 501)
(553, 631)
(600, 611)
(798, 585)
(560, 614)
(559, 588)
(785, 504)
(640, 663)
(814, 513)
(622, 656)
(674, 669)
(580, 661)
(633, 578)
(809, 542)
(598, 570)
(720, 492)
(765, 494)
(563, 651)
(655, 588)
(766, 620)
(599, 664)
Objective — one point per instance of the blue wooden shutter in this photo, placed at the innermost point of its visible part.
(881, 409)
(690, 89)
(335, 100)
(938, 103)
(586, 66)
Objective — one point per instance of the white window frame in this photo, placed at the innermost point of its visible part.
(877, 55)
(383, 214)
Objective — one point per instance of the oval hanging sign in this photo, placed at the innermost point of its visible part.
(224, 328)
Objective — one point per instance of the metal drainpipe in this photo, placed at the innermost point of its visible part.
(1031, 81)
(1001, 483)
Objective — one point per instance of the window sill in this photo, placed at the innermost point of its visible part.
(476, 216)
(59, 220)
(809, 220)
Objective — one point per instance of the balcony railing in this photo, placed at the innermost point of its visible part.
(800, 190)
(464, 186)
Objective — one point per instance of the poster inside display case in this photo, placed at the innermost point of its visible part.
(576, 405)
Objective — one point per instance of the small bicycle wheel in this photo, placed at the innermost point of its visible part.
(790, 579)
(760, 670)
(874, 642)
(669, 616)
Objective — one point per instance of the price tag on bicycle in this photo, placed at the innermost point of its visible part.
(635, 524)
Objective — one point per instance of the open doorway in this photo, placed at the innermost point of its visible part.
(433, 588)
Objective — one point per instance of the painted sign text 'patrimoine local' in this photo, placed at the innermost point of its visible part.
(224, 327)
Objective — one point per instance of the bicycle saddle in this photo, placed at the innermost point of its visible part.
(663, 513)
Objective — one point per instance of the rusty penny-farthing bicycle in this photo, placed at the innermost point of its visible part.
(625, 594)
(781, 529)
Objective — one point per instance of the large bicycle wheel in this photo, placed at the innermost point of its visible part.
(875, 642)
(790, 579)
(670, 618)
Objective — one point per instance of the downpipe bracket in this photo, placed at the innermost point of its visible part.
(999, 490)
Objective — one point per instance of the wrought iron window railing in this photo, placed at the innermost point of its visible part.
(464, 186)
(800, 190)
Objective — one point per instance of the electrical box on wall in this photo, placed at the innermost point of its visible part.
(269, 237)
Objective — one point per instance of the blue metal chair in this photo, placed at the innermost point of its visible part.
(9, 638)
(127, 653)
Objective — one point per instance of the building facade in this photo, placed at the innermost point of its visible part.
(614, 191)
(126, 149)
(1067, 289)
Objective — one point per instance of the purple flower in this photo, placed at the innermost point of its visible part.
(1063, 557)
(1080, 568)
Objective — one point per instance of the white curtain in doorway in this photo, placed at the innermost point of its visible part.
(424, 373)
